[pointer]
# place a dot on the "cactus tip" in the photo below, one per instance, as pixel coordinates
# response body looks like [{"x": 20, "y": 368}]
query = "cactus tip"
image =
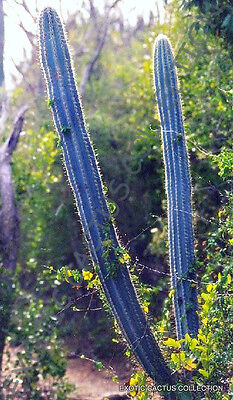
[
  {"x": 160, "y": 37},
  {"x": 47, "y": 10}
]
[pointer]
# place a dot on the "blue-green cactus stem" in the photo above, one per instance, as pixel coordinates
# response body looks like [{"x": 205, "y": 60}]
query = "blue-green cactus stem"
[
  {"x": 85, "y": 179},
  {"x": 178, "y": 187}
]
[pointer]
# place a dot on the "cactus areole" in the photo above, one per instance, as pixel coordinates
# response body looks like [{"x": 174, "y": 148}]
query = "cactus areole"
[
  {"x": 85, "y": 180},
  {"x": 178, "y": 187}
]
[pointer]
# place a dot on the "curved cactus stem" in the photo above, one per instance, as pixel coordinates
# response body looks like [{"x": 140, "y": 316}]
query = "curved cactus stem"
[
  {"x": 84, "y": 176},
  {"x": 178, "y": 187}
]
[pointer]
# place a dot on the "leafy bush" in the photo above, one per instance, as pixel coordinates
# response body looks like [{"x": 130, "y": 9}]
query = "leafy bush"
[{"x": 34, "y": 329}]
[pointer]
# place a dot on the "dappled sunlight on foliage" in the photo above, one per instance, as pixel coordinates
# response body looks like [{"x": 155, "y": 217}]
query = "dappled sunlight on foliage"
[{"x": 55, "y": 296}]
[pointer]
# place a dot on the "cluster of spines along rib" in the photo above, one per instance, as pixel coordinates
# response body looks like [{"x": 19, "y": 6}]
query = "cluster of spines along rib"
[
  {"x": 84, "y": 176},
  {"x": 178, "y": 187}
]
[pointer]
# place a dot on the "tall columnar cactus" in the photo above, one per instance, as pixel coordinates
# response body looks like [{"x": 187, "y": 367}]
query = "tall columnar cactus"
[
  {"x": 84, "y": 176},
  {"x": 178, "y": 186}
]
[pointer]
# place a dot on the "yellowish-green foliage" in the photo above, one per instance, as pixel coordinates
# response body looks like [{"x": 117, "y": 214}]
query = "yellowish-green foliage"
[
  {"x": 121, "y": 114},
  {"x": 207, "y": 356}
]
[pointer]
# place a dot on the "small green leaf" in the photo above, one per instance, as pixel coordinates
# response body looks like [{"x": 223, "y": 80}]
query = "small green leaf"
[
  {"x": 229, "y": 279},
  {"x": 112, "y": 207},
  {"x": 99, "y": 365},
  {"x": 171, "y": 293},
  {"x": 172, "y": 343},
  {"x": 182, "y": 356},
  {"x": 204, "y": 373},
  {"x": 65, "y": 129}
]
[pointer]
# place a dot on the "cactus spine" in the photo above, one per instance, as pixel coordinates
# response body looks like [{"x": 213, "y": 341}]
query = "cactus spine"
[
  {"x": 84, "y": 176},
  {"x": 178, "y": 187}
]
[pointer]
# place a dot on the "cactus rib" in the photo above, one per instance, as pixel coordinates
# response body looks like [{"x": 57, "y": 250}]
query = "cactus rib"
[
  {"x": 86, "y": 183},
  {"x": 178, "y": 188}
]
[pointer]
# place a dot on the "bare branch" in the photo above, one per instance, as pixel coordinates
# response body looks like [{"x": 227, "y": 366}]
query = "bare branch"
[
  {"x": 25, "y": 6},
  {"x": 30, "y": 35},
  {"x": 4, "y": 113},
  {"x": 89, "y": 67},
  {"x": 29, "y": 85},
  {"x": 36, "y": 7},
  {"x": 92, "y": 9},
  {"x": 1, "y": 43},
  {"x": 94, "y": 17},
  {"x": 9, "y": 233},
  {"x": 11, "y": 143},
  {"x": 100, "y": 44},
  {"x": 114, "y": 4},
  {"x": 158, "y": 12},
  {"x": 87, "y": 35}
]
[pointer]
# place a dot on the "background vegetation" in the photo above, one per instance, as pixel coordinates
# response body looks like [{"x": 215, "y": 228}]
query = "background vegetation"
[{"x": 50, "y": 311}]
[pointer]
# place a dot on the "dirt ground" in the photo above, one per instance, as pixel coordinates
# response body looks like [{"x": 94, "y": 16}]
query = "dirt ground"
[{"x": 91, "y": 384}]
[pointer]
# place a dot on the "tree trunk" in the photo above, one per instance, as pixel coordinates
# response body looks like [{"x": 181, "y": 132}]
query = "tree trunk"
[
  {"x": 9, "y": 229},
  {"x": 1, "y": 43},
  {"x": 9, "y": 242},
  {"x": 6, "y": 301},
  {"x": 9, "y": 221}
]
